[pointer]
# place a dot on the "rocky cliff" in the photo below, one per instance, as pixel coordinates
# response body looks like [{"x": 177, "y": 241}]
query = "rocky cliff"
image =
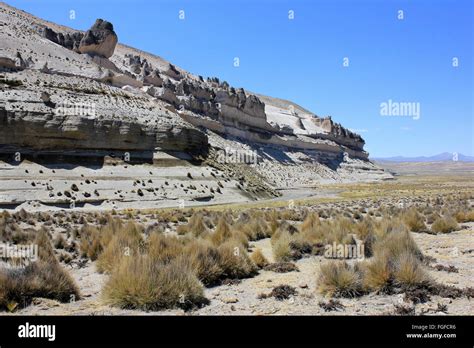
[{"x": 82, "y": 92}]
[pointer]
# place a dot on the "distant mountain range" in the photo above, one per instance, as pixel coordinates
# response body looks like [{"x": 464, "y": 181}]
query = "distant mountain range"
[{"x": 442, "y": 157}]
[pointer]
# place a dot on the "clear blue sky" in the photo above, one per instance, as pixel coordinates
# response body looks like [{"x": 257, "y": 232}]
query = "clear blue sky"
[{"x": 407, "y": 60}]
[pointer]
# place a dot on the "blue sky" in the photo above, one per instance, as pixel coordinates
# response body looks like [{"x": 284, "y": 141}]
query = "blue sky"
[{"x": 301, "y": 59}]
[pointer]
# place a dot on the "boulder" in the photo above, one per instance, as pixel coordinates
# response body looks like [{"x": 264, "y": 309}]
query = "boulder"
[
  {"x": 166, "y": 94},
  {"x": 153, "y": 78},
  {"x": 9, "y": 63},
  {"x": 99, "y": 40},
  {"x": 13, "y": 62},
  {"x": 172, "y": 72}
]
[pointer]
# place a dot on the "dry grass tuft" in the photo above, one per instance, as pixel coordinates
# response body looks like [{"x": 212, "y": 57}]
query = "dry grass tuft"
[
  {"x": 465, "y": 216},
  {"x": 259, "y": 259},
  {"x": 408, "y": 271},
  {"x": 163, "y": 248},
  {"x": 142, "y": 283},
  {"x": 339, "y": 279},
  {"x": 42, "y": 278},
  {"x": 378, "y": 274},
  {"x": 234, "y": 261},
  {"x": 196, "y": 225},
  {"x": 445, "y": 225},
  {"x": 204, "y": 259},
  {"x": 125, "y": 242},
  {"x": 414, "y": 220},
  {"x": 310, "y": 223},
  {"x": 396, "y": 242},
  {"x": 222, "y": 232}
]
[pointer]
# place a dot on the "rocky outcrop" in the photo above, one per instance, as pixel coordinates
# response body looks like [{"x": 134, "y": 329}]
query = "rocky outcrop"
[
  {"x": 338, "y": 133},
  {"x": 93, "y": 118},
  {"x": 152, "y": 78},
  {"x": 68, "y": 40},
  {"x": 10, "y": 63},
  {"x": 172, "y": 72},
  {"x": 142, "y": 102},
  {"x": 99, "y": 40}
]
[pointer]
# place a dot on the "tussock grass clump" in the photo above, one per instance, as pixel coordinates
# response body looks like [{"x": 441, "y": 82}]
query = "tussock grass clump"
[
  {"x": 310, "y": 223},
  {"x": 42, "y": 278},
  {"x": 289, "y": 243},
  {"x": 274, "y": 223},
  {"x": 396, "y": 242},
  {"x": 378, "y": 274},
  {"x": 11, "y": 232},
  {"x": 364, "y": 228},
  {"x": 214, "y": 264},
  {"x": 445, "y": 225},
  {"x": 408, "y": 271},
  {"x": 255, "y": 229},
  {"x": 465, "y": 216},
  {"x": 163, "y": 248},
  {"x": 60, "y": 242},
  {"x": 339, "y": 279},
  {"x": 204, "y": 259},
  {"x": 259, "y": 259},
  {"x": 235, "y": 262},
  {"x": 94, "y": 239},
  {"x": 396, "y": 263},
  {"x": 91, "y": 245},
  {"x": 290, "y": 214},
  {"x": 195, "y": 226},
  {"x": 38, "y": 279},
  {"x": 222, "y": 232},
  {"x": 414, "y": 220},
  {"x": 125, "y": 242},
  {"x": 281, "y": 247},
  {"x": 142, "y": 283},
  {"x": 430, "y": 218}
]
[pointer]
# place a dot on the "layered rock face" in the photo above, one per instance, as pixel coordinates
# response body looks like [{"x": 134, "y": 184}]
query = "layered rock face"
[
  {"x": 63, "y": 89},
  {"x": 48, "y": 118},
  {"x": 49, "y": 107}
]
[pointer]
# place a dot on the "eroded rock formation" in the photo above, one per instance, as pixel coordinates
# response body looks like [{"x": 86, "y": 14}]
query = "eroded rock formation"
[
  {"x": 140, "y": 102},
  {"x": 99, "y": 40}
]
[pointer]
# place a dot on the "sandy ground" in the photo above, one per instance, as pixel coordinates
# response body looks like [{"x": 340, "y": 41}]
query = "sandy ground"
[{"x": 38, "y": 187}]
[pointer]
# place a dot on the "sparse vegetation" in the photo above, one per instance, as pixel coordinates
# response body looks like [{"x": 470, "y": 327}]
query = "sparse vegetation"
[
  {"x": 141, "y": 253},
  {"x": 42, "y": 278}
]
